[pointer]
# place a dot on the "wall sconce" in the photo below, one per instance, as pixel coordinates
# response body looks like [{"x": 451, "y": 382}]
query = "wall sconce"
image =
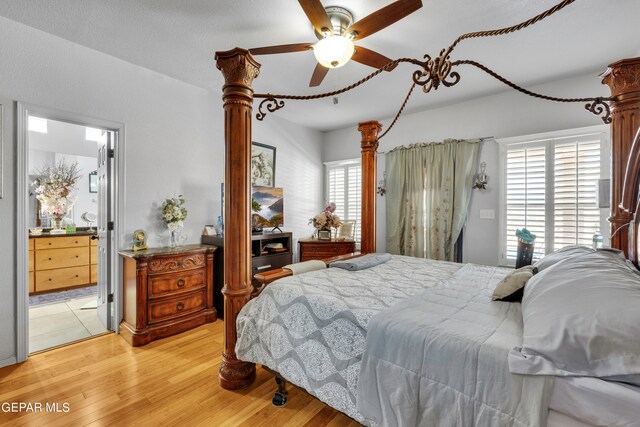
[
  {"x": 382, "y": 185},
  {"x": 481, "y": 178}
]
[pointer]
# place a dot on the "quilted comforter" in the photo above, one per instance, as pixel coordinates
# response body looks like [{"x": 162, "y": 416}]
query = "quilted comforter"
[{"x": 311, "y": 328}]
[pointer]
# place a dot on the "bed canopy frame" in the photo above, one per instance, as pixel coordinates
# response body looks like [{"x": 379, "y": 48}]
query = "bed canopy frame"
[{"x": 239, "y": 68}]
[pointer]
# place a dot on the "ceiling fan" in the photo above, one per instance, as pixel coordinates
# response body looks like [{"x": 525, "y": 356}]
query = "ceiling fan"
[{"x": 336, "y": 32}]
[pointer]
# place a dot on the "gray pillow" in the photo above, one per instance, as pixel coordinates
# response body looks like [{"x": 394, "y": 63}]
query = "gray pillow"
[
  {"x": 581, "y": 317},
  {"x": 511, "y": 288},
  {"x": 560, "y": 255}
]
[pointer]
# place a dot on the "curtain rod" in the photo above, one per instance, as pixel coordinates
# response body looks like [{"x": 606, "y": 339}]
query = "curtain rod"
[{"x": 484, "y": 138}]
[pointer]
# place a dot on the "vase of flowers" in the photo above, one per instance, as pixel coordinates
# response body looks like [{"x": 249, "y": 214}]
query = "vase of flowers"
[
  {"x": 173, "y": 214},
  {"x": 54, "y": 189},
  {"x": 325, "y": 221}
]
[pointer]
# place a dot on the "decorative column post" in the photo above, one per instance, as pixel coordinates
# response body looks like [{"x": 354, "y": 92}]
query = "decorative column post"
[
  {"x": 369, "y": 147},
  {"x": 239, "y": 69},
  {"x": 623, "y": 77}
]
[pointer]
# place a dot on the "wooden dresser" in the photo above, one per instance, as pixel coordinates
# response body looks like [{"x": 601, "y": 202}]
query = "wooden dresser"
[
  {"x": 166, "y": 291},
  {"x": 322, "y": 249},
  {"x": 59, "y": 262}
]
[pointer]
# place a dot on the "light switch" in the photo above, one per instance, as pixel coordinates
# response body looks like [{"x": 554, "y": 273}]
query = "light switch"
[{"x": 487, "y": 214}]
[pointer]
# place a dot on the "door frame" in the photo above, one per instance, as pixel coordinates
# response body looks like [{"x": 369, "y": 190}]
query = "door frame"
[{"x": 22, "y": 199}]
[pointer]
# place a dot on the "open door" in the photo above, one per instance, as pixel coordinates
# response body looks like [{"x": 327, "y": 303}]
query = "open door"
[{"x": 105, "y": 227}]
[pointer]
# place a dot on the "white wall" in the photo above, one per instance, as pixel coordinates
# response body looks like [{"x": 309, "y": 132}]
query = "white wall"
[
  {"x": 174, "y": 142},
  {"x": 503, "y": 115}
]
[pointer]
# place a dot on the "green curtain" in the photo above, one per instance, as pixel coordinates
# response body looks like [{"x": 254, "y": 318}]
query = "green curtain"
[{"x": 428, "y": 192}]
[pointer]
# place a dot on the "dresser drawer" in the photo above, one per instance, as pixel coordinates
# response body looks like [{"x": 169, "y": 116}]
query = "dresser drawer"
[
  {"x": 31, "y": 260},
  {"x": 61, "y": 258},
  {"x": 61, "y": 242},
  {"x": 176, "y": 263},
  {"x": 94, "y": 273},
  {"x": 61, "y": 278},
  {"x": 160, "y": 311},
  {"x": 168, "y": 284},
  {"x": 32, "y": 282}
]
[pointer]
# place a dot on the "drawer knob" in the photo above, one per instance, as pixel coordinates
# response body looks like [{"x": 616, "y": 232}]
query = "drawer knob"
[
  {"x": 49, "y": 259},
  {"x": 77, "y": 256},
  {"x": 181, "y": 282},
  {"x": 180, "y": 306},
  {"x": 77, "y": 275},
  {"x": 49, "y": 279}
]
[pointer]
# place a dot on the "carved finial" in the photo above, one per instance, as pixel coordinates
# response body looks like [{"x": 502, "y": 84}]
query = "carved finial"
[
  {"x": 237, "y": 66},
  {"x": 369, "y": 131},
  {"x": 623, "y": 76}
]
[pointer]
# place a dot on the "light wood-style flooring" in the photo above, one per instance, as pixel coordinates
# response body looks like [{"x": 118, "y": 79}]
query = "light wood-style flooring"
[{"x": 171, "y": 382}]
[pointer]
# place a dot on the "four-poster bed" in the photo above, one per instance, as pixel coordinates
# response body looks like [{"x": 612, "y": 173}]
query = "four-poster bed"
[{"x": 239, "y": 68}]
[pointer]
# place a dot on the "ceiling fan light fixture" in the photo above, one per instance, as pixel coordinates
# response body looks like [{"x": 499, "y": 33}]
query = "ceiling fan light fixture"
[{"x": 334, "y": 51}]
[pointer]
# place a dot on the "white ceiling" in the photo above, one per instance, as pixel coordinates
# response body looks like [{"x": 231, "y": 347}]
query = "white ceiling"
[{"x": 179, "y": 38}]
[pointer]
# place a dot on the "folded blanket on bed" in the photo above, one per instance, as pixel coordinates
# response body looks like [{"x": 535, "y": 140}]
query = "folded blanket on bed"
[
  {"x": 306, "y": 266},
  {"x": 440, "y": 358},
  {"x": 362, "y": 263}
]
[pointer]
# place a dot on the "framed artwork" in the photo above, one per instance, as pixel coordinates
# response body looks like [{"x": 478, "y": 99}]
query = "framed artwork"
[
  {"x": 263, "y": 165},
  {"x": 1, "y": 162},
  {"x": 93, "y": 182}
]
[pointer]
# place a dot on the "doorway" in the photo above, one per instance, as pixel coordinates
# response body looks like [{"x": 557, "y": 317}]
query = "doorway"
[{"x": 68, "y": 293}]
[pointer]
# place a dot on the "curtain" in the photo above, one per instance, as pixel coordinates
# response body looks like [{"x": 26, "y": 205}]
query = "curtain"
[{"x": 429, "y": 187}]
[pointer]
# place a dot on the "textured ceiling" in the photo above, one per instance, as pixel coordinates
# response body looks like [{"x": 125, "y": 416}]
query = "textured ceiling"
[{"x": 179, "y": 38}]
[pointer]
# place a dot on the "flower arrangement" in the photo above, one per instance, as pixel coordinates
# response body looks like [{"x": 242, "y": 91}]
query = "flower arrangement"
[
  {"x": 326, "y": 219},
  {"x": 174, "y": 213},
  {"x": 54, "y": 188}
]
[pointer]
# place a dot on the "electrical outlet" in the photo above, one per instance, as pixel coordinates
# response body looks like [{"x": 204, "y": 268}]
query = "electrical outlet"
[{"x": 487, "y": 214}]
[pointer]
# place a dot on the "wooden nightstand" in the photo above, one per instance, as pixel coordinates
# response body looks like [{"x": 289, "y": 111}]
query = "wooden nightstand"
[{"x": 323, "y": 249}]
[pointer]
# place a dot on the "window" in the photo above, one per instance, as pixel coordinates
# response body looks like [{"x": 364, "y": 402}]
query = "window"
[
  {"x": 549, "y": 187},
  {"x": 344, "y": 187}
]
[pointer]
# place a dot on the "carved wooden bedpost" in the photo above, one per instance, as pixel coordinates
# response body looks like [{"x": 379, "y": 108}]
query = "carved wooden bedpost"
[
  {"x": 623, "y": 77},
  {"x": 369, "y": 146},
  {"x": 239, "y": 69}
]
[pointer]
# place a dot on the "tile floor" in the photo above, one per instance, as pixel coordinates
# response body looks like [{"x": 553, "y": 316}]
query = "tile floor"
[{"x": 63, "y": 322}]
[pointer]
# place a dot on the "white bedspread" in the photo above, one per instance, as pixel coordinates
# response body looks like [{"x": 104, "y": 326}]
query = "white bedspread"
[
  {"x": 440, "y": 359},
  {"x": 311, "y": 327}
]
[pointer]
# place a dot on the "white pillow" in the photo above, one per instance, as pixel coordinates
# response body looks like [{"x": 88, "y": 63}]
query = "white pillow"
[
  {"x": 560, "y": 255},
  {"x": 581, "y": 317}
]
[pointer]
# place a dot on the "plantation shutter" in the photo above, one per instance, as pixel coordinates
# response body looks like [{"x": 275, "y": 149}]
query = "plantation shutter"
[
  {"x": 576, "y": 172},
  {"x": 525, "y": 196},
  {"x": 344, "y": 188}
]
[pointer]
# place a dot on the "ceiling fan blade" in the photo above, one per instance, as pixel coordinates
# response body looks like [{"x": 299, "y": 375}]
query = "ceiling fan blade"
[
  {"x": 318, "y": 75},
  {"x": 316, "y": 14},
  {"x": 372, "y": 59},
  {"x": 283, "y": 48},
  {"x": 384, "y": 17}
]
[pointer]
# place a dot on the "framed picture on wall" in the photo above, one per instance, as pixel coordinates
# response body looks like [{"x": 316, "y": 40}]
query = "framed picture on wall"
[
  {"x": 1, "y": 170},
  {"x": 93, "y": 182},
  {"x": 263, "y": 165}
]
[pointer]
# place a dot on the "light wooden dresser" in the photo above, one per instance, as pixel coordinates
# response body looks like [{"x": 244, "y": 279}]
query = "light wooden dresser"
[
  {"x": 323, "y": 249},
  {"x": 166, "y": 291},
  {"x": 58, "y": 262}
]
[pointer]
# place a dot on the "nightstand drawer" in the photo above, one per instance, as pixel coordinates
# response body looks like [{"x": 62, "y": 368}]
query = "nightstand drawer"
[
  {"x": 160, "y": 311},
  {"x": 61, "y": 258},
  {"x": 176, "y": 263},
  {"x": 174, "y": 283}
]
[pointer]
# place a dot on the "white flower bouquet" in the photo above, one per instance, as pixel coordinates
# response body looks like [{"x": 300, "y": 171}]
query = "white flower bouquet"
[
  {"x": 174, "y": 213},
  {"x": 54, "y": 187}
]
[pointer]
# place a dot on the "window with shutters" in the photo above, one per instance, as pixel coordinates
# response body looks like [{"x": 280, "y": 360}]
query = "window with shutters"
[
  {"x": 343, "y": 187},
  {"x": 550, "y": 187}
]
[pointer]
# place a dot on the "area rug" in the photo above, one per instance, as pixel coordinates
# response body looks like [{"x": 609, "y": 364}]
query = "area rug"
[{"x": 63, "y": 295}]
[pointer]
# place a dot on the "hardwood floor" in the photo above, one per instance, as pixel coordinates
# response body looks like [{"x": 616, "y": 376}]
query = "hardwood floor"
[{"x": 173, "y": 381}]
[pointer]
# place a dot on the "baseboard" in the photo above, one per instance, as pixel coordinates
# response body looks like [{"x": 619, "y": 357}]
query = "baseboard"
[{"x": 8, "y": 361}]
